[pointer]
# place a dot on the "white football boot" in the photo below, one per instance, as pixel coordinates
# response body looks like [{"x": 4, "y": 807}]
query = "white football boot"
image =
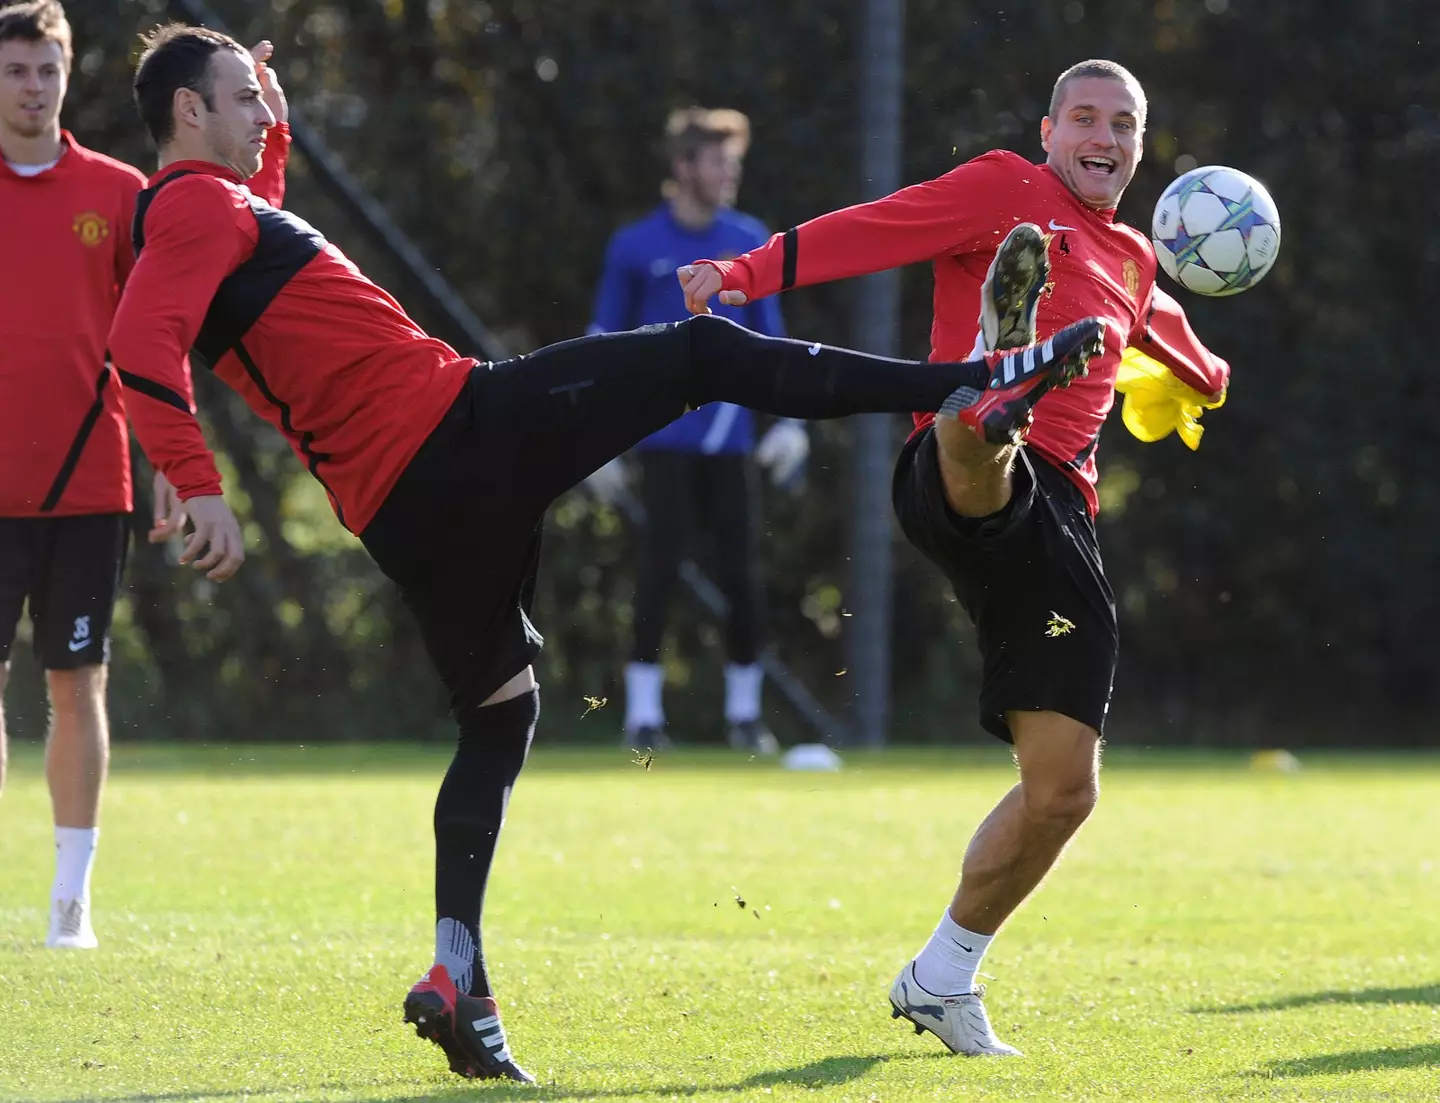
[
  {"x": 70, "y": 927},
  {"x": 958, "y": 1021}
]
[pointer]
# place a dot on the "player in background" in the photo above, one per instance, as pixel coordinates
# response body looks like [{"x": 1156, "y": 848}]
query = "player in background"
[
  {"x": 65, "y": 491},
  {"x": 696, "y": 472},
  {"x": 443, "y": 466},
  {"x": 1012, "y": 528}
]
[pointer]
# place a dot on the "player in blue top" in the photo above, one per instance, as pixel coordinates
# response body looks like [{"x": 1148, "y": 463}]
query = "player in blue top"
[{"x": 696, "y": 471}]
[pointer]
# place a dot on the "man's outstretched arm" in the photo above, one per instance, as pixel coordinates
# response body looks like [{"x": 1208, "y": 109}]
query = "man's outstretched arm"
[{"x": 949, "y": 214}]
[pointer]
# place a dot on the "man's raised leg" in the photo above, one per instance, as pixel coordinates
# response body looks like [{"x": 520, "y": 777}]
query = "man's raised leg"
[{"x": 602, "y": 394}]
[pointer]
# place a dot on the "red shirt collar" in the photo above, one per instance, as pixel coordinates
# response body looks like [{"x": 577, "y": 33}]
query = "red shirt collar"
[
  {"x": 68, "y": 145},
  {"x": 207, "y": 168}
]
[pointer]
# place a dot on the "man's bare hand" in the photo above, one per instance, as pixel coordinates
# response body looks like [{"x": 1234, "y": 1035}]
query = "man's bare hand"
[
  {"x": 217, "y": 534},
  {"x": 699, "y": 282},
  {"x": 169, "y": 511},
  {"x": 273, "y": 94}
]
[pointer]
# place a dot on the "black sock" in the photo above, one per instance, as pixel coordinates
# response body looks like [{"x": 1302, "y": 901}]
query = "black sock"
[
  {"x": 494, "y": 741},
  {"x": 729, "y": 363}
]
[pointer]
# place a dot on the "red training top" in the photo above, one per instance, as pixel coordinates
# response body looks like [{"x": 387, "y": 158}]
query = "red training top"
[
  {"x": 64, "y": 255},
  {"x": 1098, "y": 266},
  {"x": 284, "y": 318}
]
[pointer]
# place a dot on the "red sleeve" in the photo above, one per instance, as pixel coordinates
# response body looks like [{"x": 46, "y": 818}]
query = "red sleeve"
[
  {"x": 197, "y": 231},
  {"x": 950, "y": 214},
  {"x": 1166, "y": 335},
  {"x": 269, "y": 182}
]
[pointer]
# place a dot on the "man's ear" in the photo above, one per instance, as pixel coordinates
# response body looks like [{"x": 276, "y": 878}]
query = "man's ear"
[
  {"x": 186, "y": 105},
  {"x": 1046, "y": 127}
]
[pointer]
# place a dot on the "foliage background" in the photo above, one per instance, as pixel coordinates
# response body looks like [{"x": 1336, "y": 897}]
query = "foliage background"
[{"x": 1276, "y": 586}]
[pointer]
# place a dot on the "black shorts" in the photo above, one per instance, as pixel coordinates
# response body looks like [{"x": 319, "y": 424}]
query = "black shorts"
[
  {"x": 1032, "y": 581},
  {"x": 69, "y": 568},
  {"x": 459, "y": 533}
]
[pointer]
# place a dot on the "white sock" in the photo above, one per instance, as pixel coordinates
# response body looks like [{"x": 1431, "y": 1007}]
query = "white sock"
[
  {"x": 948, "y": 963},
  {"x": 455, "y": 949},
  {"x": 643, "y": 685},
  {"x": 74, "y": 859},
  {"x": 742, "y": 692}
]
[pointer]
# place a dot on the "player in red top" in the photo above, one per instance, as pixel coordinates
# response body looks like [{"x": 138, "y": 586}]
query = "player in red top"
[
  {"x": 444, "y": 467},
  {"x": 1012, "y": 528},
  {"x": 65, "y": 252}
]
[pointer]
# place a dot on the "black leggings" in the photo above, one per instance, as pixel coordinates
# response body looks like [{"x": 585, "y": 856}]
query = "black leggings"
[
  {"x": 458, "y": 532},
  {"x": 573, "y": 406},
  {"x": 687, "y": 494}
]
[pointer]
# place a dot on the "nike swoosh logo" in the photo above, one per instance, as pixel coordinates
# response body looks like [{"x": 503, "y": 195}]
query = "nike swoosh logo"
[
  {"x": 814, "y": 349},
  {"x": 1056, "y": 226},
  {"x": 967, "y": 949},
  {"x": 80, "y": 645}
]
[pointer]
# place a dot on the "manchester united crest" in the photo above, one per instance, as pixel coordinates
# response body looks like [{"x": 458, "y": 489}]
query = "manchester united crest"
[
  {"x": 1132, "y": 277},
  {"x": 90, "y": 228}
]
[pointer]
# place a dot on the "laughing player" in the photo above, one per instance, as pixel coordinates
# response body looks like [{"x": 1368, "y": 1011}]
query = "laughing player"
[{"x": 1012, "y": 528}]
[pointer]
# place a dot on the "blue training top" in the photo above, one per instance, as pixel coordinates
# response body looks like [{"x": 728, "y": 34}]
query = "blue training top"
[{"x": 639, "y": 288}]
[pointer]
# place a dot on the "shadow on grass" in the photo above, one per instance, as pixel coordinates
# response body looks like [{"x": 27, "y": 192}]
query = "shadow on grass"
[
  {"x": 1423, "y": 994},
  {"x": 829, "y": 1072},
  {"x": 818, "y": 1074},
  {"x": 1356, "y": 1060}
]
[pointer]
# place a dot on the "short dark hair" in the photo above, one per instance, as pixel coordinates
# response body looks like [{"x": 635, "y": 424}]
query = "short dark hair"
[
  {"x": 1097, "y": 67},
  {"x": 691, "y": 129},
  {"x": 37, "y": 21},
  {"x": 176, "y": 56}
]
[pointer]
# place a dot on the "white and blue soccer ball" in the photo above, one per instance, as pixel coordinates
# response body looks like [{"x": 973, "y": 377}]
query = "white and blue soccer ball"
[{"x": 1216, "y": 231}]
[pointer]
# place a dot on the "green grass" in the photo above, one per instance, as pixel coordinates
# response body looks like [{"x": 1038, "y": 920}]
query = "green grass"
[{"x": 1214, "y": 933}]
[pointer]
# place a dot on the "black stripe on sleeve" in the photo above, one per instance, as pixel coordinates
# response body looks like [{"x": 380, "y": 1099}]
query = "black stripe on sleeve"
[
  {"x": 792, "y": 259},
  {"x": 158, "y": 391}
]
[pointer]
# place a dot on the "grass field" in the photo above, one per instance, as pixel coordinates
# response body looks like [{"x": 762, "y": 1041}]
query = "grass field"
[{"x": 1214, "y": 933}]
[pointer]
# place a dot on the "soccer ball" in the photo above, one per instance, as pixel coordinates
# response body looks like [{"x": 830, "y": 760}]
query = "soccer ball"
[{"x": 1216, "y": 231}]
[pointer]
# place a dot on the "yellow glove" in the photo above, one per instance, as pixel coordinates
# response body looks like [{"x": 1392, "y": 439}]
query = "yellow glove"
[{"x": 1157, "y": 404}]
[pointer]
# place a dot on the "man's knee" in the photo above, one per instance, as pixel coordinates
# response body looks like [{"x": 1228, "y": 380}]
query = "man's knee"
[
  {"x": 709, "y": 325},
  {"x": 1064, "y": 803},
  {"x": 78, "y": 691},
  {"x": 494, "y": 742},
  {"x": 1059, "y": 761},
  {"x": 713, "y": 339}
]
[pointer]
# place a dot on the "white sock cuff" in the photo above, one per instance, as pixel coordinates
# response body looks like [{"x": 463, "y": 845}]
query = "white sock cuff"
[
  {"x": 77, "y": 836},
  {"x": 74, "y": 862},
  {"x": 963, "y": 936}
]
